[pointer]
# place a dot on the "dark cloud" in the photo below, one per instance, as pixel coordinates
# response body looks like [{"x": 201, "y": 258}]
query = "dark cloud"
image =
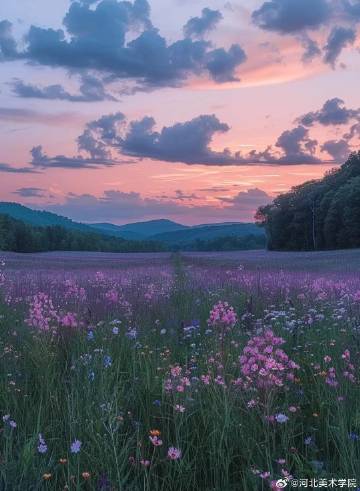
[
  {"x": 297, "y": 145},
  {"x": 352, "y": 8},
  {"x": 117, "y": 38},
  {"x": 291, "y": 16},
  {"x": 339, "y": 150},
  {"x": 333, "y": 112},
  {"x": 222, "y": 64},
  {"x": 353, "y": 131},
  {"x": 8, "y": 49},
  {"x": 252, "y": 198},
  {"x": 42, "y": 161},
  {"x": 100, "y": 135},
  {"x": 338, "y": 39},
  {"x": 16, "y": 170},
  {"x": 30, "y": 192},
  {"x": 197, "y": 27},
  {"x": 311, "y": 47},
  {"x": 296, "y": 148},
  {"x": 187, "y": 142},
  {"x": 91, "y": 90}
]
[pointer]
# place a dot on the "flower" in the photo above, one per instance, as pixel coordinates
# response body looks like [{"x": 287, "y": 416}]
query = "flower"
[
  {"x": 107, "y": 361},
  {"x": 281, "y": 418},
  {"x": 264, "y": 365},
  {"x": 75, "y": 446},
  {"x": 222, "y": 315},
  {"x": 174, "y": 453},
  {"x": 155, "y": 432},
  {"x": 179, "y": 408},
  {"x": 90, "y": 335},
  {"x": 115, "y": 330},
  {"x": 42, "y": 447},
  {"x": 86, "y": 475},
  {"x": 46, "y": 477},
  {"x": 62, "y": 461},
  {"x": 156, "y": 441}
]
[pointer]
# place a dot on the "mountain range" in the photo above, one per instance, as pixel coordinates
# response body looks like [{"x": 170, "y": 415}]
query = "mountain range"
[{"x": 163, "y": 230}]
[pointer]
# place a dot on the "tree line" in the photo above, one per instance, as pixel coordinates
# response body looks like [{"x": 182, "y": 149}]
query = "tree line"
[
  {"x": 18, "y": 236},
  {"x": 317, "y": 215}
]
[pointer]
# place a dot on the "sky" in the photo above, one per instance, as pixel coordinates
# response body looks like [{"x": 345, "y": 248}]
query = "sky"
[{"x": 199, "y": 111}]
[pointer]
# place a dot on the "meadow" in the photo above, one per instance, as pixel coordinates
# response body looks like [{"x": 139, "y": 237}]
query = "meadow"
[{"x": 204, "y": 371}]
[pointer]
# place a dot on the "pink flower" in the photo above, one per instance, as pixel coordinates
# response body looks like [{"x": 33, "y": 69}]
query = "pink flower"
[
  {"x": 222, "y": 315},
  {"x": 174, "y": 453},
  {"x": 156, "y": 441}
]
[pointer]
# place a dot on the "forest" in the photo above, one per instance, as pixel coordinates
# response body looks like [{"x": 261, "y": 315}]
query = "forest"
[
  {"x": 317, "y": 215},
  {"x": 18, "y": 236}
]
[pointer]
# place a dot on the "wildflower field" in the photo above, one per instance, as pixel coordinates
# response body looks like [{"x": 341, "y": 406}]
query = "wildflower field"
[{"x": 216, "y": 372}]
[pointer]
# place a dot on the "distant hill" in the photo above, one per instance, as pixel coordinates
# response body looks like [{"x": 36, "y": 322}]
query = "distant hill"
[
  {"x": 116, "y": 231},
  {"x": 39, "y": 218},
  {"x": 208, "y": 232},
  {"x": 140, "y": 230},
  {"x": 173, "y": 235}
]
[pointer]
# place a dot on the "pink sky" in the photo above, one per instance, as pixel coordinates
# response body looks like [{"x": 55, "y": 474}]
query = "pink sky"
[{"x": 275, "y": 87}]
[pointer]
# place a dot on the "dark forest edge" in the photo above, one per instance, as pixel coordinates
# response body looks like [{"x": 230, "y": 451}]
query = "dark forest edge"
[
  {"x": 17, "y": 236},
  {"x": 317, "y": 215}
]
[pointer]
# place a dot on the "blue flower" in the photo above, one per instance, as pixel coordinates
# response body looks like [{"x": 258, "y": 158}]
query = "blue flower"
[
  {"x": 90, "y": 335},
  {"x": 107, "y": 361},
  {"x": 354, "y": 437},
  {"x": 75, "y": 446}
]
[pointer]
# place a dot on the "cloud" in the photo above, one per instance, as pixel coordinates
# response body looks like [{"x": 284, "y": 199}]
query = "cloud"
[
  {"x": 187, "y": 142},
  {"x": 112, "y": 140},
  {"x": 42, "y": 161},
  {"x": 118, "y": 39},
  {"x": 190, "y": 143},
  {"x": 333, "y": 112},
  {"x": 311, "y": 47},
  {"x": 291, "y": 16},
  {"x": 101, "y": 134},
  {"x": 8, "y": 50},
  {"x": 22, "y": 115},
  {"x": 16, "y": 170},
  {"x": 339, "y": 150},
  {"x": 118, "y": 206},
  {"x": 197, "y": 27},
  {"x": 251, "y": 198},
  {"x": 352, "y": 8},
  {"x": 30, "y": 192},
  {"x": 222, "y": 64},
  {"x": 91, "y": 90},
  {"x": 338, "y": 39}
]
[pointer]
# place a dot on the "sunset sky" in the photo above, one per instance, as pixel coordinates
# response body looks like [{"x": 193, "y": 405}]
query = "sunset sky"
[{"x": 193, "y": 110}]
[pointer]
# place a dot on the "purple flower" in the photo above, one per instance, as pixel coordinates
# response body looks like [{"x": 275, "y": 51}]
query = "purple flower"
[
  {"x": 75, "y": 446},
  {"x": 42, "y": 447},
  {"x": 174, "y": 453},
  {"x": 281, "y": 418}
]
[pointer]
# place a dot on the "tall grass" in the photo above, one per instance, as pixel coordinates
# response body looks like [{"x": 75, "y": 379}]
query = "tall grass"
[{"x": 106, "y": 388}]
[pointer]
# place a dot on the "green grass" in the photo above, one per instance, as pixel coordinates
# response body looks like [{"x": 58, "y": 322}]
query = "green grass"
[{"x": 46, "y": 389}]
